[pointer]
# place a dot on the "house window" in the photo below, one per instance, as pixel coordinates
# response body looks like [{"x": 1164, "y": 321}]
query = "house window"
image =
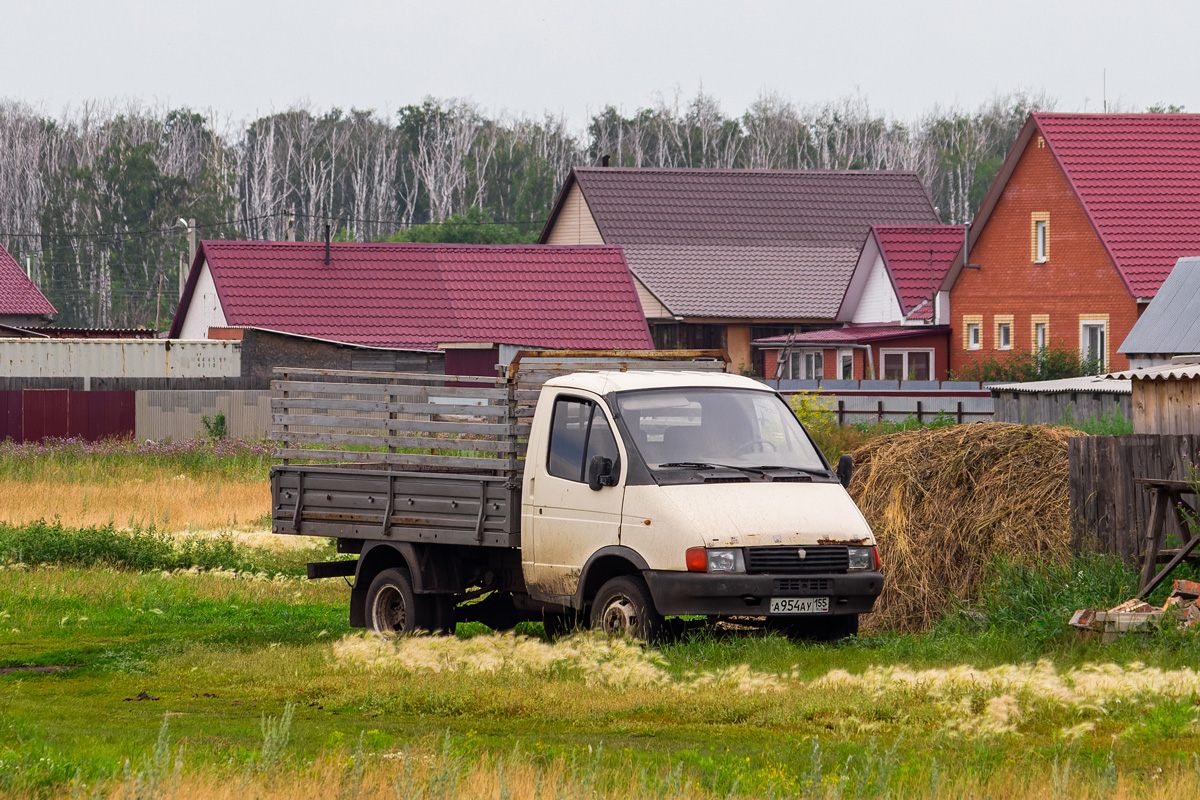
[
  {"x": 973, "y": 336},
  {"x": 907, "y": 365},
  {"x": 846, "y": 365},
  {"x": 1093, "y": 336},
  {"x": 807, "y": 365},
  {"x": 1040, "y": 237},
  {"x": 1039, "y": 335},
  {"x": 1004, "y": 336}
]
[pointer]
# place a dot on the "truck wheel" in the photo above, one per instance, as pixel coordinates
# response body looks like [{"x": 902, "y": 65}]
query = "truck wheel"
[
  {"x": 623, "y": 607},
  {"x": 391, "y": 605}
]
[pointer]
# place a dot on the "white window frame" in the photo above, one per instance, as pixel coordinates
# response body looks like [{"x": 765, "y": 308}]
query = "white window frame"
[
  {"x": 1040, "y": 335},
  {"x": 974, "y": 335},
  {"x": 1004, "y": 336},
  {"x": 1084, "y": 351},
  {"x": 842, "y": 355},
  {"x": 904, "y": 352},
  {"x": 806, "y": 359},
  {"x": 1041, "y": 232}
]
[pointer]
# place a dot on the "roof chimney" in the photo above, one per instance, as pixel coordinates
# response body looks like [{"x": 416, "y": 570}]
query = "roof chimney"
[
  {"x": 327, "y": 244},
  {"x": 604, "y": 160}
]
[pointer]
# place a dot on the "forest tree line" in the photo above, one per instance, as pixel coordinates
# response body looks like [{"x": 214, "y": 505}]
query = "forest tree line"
[{"x": 96, "y": 201}]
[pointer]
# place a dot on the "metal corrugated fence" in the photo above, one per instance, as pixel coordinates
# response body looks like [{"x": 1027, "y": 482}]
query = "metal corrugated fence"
[{"x": 179, "y": 415}]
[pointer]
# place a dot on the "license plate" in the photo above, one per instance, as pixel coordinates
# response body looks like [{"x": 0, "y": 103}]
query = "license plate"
[{"x": 799, "y": 605}]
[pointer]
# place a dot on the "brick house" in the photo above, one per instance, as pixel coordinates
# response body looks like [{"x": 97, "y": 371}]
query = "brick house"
[
  {"x": 721, "y": 257},
  {"x": 22, "y": 305},
  {"x": 392, "y": 303},
  {"x": 892, "y": 314},
  {"x": 1084, "y": 221}
]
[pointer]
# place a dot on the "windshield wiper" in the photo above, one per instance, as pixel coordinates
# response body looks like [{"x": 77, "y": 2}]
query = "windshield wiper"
[{"x": 691, "y": 464}]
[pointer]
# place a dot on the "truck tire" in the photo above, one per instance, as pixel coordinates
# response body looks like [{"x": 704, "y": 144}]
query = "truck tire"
[
  {"x": 624, "y": 607},
  {"x": 392, "y": 608}
]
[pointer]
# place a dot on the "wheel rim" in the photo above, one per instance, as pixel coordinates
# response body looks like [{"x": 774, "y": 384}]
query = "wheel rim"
[
  {"x": 620, "y": 617},
  {"x": 390, "y": 611}
]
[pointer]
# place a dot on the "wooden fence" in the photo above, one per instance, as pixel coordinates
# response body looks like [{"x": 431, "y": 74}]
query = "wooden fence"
[{"x": 1108, "y": 510}]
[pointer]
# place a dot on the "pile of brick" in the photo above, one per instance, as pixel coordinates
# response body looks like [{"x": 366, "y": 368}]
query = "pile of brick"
[{"x": 1182, "y": 608}]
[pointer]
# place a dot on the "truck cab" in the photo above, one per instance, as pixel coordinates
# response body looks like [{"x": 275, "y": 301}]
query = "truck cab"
[{"x": 651, "y": 493}]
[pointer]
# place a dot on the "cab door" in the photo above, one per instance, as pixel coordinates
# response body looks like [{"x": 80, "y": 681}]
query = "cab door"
[{"x": 569, "y": 520}]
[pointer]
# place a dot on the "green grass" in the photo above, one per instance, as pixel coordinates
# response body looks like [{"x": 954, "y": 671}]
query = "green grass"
[
  {"x": 114, "y": 460},
  {"x": 225, "y": 652}
]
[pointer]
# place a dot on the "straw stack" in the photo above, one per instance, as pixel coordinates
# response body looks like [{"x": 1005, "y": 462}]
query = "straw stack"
[{"x": 944, "y": 502}]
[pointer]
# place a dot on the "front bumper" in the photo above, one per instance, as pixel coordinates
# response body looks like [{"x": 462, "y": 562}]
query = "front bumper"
[{"x": 677, "y": 593}]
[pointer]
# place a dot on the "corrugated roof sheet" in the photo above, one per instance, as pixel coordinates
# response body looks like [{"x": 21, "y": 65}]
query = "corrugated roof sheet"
[
  {"x": 1138, "y": 178},
  {"x": 1087, "y": 383},
  {"x": 18, "y": 295},
  {"x": 855, "y": 334},
  {"x": 1171, "y": 323},
  {"x": 1163, "y": 372},
  {"x": 413, "y": 296},
  {"x": 745, "y": 282},
  {"x": 918, "y": 259}
]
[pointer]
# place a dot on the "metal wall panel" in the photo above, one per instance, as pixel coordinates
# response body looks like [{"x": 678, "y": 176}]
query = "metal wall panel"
[
  {"x": 177, "y": 415},
  {"x": 120, "y": 358}
]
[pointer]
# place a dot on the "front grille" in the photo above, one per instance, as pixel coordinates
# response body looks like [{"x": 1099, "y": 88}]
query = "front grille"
[
  {"x": 818, "y": 558},
  {"x": 803, "y": 585}
]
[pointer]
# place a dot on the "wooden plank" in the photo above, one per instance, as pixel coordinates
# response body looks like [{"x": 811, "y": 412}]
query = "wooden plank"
[
  {"x": 383, "y": 423},
  {"x": 389, "y": 389},
  {"x": 360, "y": 457},
  {"x": 445, "y": 409},
  {"x": 391, "y": 376},
  {"x": 373, "y": 440}
]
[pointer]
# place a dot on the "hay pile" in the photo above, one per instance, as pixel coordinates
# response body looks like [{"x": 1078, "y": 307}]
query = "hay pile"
[{"x": 943, "y": 502}]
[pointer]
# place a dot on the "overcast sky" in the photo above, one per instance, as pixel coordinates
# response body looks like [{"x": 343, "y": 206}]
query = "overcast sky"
[{"x": 245, "y": 58}]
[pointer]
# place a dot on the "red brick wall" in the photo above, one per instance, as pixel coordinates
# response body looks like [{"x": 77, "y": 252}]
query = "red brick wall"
[{"x": 1078, "y": 277}]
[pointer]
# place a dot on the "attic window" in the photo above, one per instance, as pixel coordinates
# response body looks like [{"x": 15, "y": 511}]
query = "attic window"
[{"x": 1041, "y": 142}]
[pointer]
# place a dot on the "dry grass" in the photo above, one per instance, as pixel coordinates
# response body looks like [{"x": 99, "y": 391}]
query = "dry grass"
[
  {"x": 170, "y": 503},
  {"x": 945, "y": 502},
  {"x": 426, "y": 772}
]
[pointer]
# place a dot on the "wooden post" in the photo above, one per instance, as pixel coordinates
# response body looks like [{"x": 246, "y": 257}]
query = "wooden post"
[
  {"x": 1154, "y": 528},
  {"x": 841, "y": 413},
  {"x": 959, "y": 414},
  {"x": 920, "y": 412},
  {"x": 880, "y": 412}
]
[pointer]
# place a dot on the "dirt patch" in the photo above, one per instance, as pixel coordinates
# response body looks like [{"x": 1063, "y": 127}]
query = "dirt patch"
[{"x": 39, "y": 669}]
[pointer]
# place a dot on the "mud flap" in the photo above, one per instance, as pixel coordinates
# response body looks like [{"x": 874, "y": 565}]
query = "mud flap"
[{"x": 358, "y": 608}]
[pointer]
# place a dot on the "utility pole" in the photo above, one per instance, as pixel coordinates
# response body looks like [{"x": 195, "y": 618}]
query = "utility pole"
[
  {"x": 191, "y": 242},
  {"x": 291, "y": 228},
  {"x": 182, "y": 275},
  {"x": 158, "y": 303}
]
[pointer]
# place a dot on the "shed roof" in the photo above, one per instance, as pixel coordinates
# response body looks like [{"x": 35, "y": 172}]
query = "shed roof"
[
  {"x": 745, "y": 244},
  {"x": 18, "y": 295},
  {"x": 1162, "y": 372},
  {"x": 1171, "y": 323},
  {"x": 413, "y": 296},
  {"x": 1137, "y": 178},
  {"x": 1086, "y": 383},
  {"x": 855, "y": 334}
]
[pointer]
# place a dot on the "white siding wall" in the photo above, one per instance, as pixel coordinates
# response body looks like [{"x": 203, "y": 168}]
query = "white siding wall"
[
  {"x": 575, "y": 224},
  {"x": 878, "y": 302},
  {"x": 205, "y": 310}
]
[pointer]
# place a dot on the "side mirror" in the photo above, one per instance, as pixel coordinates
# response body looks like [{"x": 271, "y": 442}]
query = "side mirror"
[
  {"x": 599, "y": 473},
  {"x": 845, "y": 469}
]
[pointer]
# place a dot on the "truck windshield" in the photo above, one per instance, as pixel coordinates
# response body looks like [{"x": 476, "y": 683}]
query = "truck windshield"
[{"x": 740, "y": 428}]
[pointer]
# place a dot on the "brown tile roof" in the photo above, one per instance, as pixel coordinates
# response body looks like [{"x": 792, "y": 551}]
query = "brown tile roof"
[
  {"x": 746, "y": 244},
  {"x": 749, "y": 207},
  {"x": 745, "y": 282}
]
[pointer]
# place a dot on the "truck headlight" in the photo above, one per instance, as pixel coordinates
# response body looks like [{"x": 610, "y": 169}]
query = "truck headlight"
[
  {"x": 726, "y": 560},
  {"x": 861, "y": 557},
  {"x": 702, "y": 559}
]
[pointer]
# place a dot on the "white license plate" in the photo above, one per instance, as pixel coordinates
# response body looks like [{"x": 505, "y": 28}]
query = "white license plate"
[{"x": 799, "y": 605}]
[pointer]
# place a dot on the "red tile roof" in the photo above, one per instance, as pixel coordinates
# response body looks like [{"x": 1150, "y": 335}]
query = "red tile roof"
[
  {"x": 413, "y": 296},
  {"x": 18, "y": 295},
  {"x": 1137, "y": 177},
  {"x": 917, "y": 259},
  {"x": 744, "y": 244},
  {"x": 854, "y": 334}
]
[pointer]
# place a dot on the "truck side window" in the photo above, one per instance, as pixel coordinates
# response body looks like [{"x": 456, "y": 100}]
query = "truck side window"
[{"x": 578, "y": 431}]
